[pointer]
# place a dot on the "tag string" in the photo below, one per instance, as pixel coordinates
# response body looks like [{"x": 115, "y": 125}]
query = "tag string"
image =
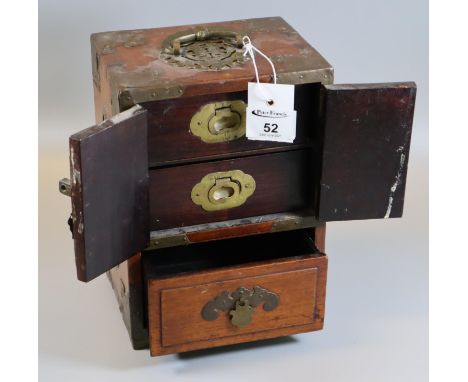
[{"x": 250, "y": 50}]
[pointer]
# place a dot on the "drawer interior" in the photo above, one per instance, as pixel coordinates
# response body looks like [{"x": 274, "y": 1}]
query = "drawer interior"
[{"x": 167, "y": 262}]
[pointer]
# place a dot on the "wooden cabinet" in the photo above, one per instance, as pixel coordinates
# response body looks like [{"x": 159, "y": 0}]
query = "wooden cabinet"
[{"x": 173, "y": 201}]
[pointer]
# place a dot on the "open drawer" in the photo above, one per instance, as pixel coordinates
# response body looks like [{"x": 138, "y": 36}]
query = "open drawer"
[{"x": 233, "y": 291}]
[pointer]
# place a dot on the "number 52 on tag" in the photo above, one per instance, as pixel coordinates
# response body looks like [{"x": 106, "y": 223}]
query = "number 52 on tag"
[
  {"x": 275, "y": 122},
  {"x": 270, "y": 125}
]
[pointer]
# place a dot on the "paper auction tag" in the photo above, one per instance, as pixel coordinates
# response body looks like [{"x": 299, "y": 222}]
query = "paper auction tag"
[{"x": 270, "y": 112}]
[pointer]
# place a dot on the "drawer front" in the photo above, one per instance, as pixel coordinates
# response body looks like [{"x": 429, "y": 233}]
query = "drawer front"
[
  {"x": 280, "y": 182},
  {"x": 244, "y": 303},
  {"x": 172, "y": 139}
]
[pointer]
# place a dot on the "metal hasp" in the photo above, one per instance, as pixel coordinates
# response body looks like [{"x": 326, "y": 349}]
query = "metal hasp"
[
  {"x": 241, "y": 315},
  {"x": 204, "y": 49},
  {"x": 240, "y": 304},
  {"x": 65, "y": 186},
  {"x": 223, "y": 190},
  {"x": 219, "y": 121}
]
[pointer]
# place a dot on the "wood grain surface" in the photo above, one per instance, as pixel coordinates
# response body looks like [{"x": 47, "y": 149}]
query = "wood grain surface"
[
  {"x": 109, "y": 194},
  {"x": 181, "y": 307},
  {"x": 126, "y": 280}
]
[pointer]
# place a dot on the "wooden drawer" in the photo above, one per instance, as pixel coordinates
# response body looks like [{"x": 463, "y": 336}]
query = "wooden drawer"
[
  {"x": 171, "y": 141},
  {"x": 234, "y": 291},
  {"x": 282, "y": 184}
]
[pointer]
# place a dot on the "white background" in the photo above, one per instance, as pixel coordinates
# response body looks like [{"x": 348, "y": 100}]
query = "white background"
[{"x": 377, "y": 299}]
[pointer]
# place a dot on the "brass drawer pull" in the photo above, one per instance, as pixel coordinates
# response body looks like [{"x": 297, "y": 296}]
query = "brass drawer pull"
[
  {"x": 240, "y": 304},
  {"x": 223, "y": 190},
  {"x": 219, "y": 121}
]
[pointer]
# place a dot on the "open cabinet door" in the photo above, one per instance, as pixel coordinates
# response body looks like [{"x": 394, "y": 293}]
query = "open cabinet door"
[
  {"x": 109, "y": 192},
  {"x": 366, "y": 141}
]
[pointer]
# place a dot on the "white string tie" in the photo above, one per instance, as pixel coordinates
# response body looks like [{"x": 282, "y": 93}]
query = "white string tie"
[{"x": 250, "y": 49}]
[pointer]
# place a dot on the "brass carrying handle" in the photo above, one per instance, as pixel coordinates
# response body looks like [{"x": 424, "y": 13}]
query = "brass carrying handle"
[
  {"x": 240, "y": 304},
  {"x": 204, "y": 35}
]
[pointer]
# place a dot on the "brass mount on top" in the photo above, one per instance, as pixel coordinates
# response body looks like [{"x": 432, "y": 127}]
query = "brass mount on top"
[{"x": 204, "y": 49}]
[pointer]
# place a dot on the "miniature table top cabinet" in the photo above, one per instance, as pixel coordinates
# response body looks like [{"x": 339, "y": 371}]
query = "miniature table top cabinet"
[{"x": 210, "y": 238}]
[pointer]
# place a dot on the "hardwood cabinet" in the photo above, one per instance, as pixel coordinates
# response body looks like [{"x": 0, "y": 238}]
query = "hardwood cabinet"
[{"x": 183, "y": 211}]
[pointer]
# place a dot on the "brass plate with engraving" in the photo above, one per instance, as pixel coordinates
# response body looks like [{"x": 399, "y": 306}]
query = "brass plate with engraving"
[
  {"x": 219, "y": 121},
  {"x": 223, "y": 190}
]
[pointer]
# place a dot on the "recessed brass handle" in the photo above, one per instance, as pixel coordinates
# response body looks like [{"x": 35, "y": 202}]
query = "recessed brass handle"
[
  {"x": 225, "y": 118},
  {"x": 240, "y": 304},
  {"x": 204, "y": 48},
  {"x": 223, "y": 190},
  {"x": 203, "y": 35},
  {"x": 219, "y": 121}
]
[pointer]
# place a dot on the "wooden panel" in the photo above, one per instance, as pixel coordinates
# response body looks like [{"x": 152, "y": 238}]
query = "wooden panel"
[
  {"x": 175, "y": 304},
  {"x": 229, "y": 232},
  {"x": 367, "y": 133},
  {"x": 126, "y": 280},
  {"x": 282, "y": 185},
  {"x": 170, "y": 139},
  {"x": 109, "y": 174},
  {"x": 319, "y": 237}
]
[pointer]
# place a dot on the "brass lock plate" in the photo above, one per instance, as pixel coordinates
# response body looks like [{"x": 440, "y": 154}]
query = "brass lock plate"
[
  {"x": 204, "y": 49},
  {"x": 240, "y": 304},
  {"x": 223, "y": 190},
  {"x": 241, "y": 315},
  {"x": 219, "y": 121}
]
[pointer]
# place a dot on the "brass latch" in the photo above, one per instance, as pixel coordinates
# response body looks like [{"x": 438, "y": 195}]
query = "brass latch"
[
  {"x": 220, "y": 121},
  {"x": 65, "y": 186},
  {"x": 223, "y": 190}
]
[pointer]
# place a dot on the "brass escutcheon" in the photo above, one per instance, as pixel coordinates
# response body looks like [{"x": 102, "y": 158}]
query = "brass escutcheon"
[
  {"x": 223, "y": 190},
  {"x": 219, "y": 121},
  {"x": 240, "y": 304}
]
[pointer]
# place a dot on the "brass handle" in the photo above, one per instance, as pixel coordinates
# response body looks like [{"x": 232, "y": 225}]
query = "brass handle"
[
  {"x": 203, "y": 35},
  {"x": 219, "y": 121},
  {"x": 240, "y": 304},
  {"x": 223, "y": 190},
  {"x": 224, "y": 118},
  {"x": 203, "y": 48}
]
